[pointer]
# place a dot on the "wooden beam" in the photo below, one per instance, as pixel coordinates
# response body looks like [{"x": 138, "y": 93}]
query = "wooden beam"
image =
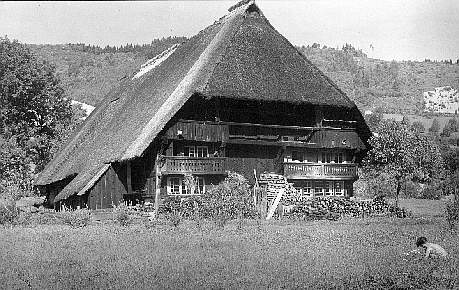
[
  {"x": 128, "y": 177},
  {"x": 157, "y": 184},
  {"x": 314, "y": 128},
  {"x": 319, "y": 116},
  {"x": 273, "y": 207}
]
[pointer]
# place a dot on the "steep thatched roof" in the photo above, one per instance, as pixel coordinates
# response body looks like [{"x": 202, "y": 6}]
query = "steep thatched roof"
[{"x": 239, "y": 56}]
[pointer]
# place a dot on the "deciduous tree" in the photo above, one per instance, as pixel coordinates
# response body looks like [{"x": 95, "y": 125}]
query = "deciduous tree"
[
  {"x": 33, "y": 112},
  {"x": 403, "y": 154}
]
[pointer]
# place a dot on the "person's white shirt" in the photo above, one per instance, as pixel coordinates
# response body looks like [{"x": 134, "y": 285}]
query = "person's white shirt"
[{"x": 434, "y": 250}]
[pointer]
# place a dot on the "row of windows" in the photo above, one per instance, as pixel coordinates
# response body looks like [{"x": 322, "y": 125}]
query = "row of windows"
[
  {"x": 324, "y": 157},
  {"x": 323, "y": 188},
  {"x": 177, "y": 186},
  {"x": 196, "y": 151}
]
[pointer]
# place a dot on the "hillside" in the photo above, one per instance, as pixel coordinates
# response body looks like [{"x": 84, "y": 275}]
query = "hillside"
[
  {"x": 395, "y": 87},
  {"x": 88, "y": 72}
]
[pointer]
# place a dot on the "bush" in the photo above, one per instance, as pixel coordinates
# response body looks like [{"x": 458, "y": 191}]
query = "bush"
[
  {"x": 452, "y": 212},
  {"x": 122, "y": 216},
  {"x": 411, "y": 189},
  {"x": 333, "y": 208},
  {"x": 8, "y": 211},
  {"x": 76, "y": 218},
  {"x": 229, "y": 200},
  {"x": 434, "y": 190},
  {"x": 188, "y": 207}
]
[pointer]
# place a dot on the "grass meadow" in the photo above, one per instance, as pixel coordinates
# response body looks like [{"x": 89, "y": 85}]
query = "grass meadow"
[{"x": 369, "y": 253}]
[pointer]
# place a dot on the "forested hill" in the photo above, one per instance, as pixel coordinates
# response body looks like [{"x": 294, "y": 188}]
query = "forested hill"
[
  {"x": 396, "y": 87},
  {"x": 88, "y": 72}
]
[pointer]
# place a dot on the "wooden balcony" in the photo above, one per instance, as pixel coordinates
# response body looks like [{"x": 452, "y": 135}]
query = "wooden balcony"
[
  {"x": 341, "y": 171},
  {"x": 193, "y": 165}
]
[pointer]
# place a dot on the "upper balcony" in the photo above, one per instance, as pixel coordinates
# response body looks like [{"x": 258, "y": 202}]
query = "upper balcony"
[
  {"x": 297, "y": 170},
  {"x": 193, "y": 165}
]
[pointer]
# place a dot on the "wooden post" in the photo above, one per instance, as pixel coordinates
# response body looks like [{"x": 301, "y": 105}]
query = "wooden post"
[
  {"x": 319, "y": 116},
  {"x": 255, "y": 188},
  {"x": 128, "y": 178},
  {"x": 157, "y": 184},
  {"x": 264, "y": 202},
  {"x": 273, "y": 207}
]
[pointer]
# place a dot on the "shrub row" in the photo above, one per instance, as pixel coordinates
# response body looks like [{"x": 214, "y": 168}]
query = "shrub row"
[
  {"x": 11, "y": 215},
  {"x": 229, "y": 200},
  {"x": 334, "y": 208}
]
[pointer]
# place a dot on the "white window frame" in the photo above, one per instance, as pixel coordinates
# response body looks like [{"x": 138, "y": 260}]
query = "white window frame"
[
  {"x": 182, "y": 188},
  {"x": 201, "y": 185},
  {"x": 197, "y": 151},
  {"x": 339, "y": 157},
  {"x": 202, "y": 149},
  {"x": 171, "y": 186},
  {"x": 307, "y": 188},
  {"x": 341, "y": 185},
  {"x": 317, "y": 185},
  {"x": 191, "y": 151},
  {"x": 328, "y": 188}
]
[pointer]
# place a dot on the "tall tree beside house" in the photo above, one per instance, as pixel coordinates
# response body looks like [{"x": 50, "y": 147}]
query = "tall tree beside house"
[
  {"x": 403, "y": 154},
  {"x": 33, "y": 114}
]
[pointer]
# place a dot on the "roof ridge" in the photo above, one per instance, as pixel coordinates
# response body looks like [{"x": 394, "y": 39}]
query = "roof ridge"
[
  {"x": 312, "y": 65},
  {"x": 189, "y": 84},
  {"x": 227, "y": 46}
]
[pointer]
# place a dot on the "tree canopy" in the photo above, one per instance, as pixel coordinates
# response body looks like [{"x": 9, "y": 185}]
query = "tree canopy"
[
  {"x": 403, "y": 154},
  {"x": 33, "y": 112}
]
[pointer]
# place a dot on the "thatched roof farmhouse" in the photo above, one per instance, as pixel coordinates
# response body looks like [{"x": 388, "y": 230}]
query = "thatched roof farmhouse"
[{"x": 237, "y": 88}]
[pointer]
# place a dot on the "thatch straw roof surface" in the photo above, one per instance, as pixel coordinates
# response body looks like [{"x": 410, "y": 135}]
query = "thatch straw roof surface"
[{"x": 239, "y": 56}]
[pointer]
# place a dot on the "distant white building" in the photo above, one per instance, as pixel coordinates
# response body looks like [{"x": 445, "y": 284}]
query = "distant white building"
[
  {"x": 441, "y": 100},
  {"x": 85, "y": 107}
]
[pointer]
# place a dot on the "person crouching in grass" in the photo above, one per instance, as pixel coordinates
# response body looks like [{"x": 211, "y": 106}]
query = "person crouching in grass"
[{"x": 431, "y": 250}]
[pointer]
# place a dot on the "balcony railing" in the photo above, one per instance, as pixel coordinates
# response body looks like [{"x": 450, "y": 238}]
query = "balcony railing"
[
  {"x": 194, "y": 165},
  {"x": 295, "y": 170}
]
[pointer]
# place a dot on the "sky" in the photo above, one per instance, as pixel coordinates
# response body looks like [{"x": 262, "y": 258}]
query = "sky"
[{"x": 389, "y": 29}]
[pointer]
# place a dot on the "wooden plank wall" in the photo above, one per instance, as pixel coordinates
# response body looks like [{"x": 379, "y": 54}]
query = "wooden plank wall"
[
  {"x": 107, "y": 191},
  {"x": 333, "y": 139},
  {"x": 198, "y": 131},
  {"x": 244, "y": 159}
]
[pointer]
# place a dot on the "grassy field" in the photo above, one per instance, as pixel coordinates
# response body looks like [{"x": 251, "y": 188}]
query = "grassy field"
[{"x": 351, "y": 253}]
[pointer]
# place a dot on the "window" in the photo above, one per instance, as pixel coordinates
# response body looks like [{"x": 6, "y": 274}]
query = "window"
[
  {"x": 201, "y": 185},
  {"x": 202, "y": 151},
  {"x": 177, "y": 186},
  {"x": 339, "y": 187},
  {"x": 196, "y": 151},
  {"x": 338, "y": 157},
  {"x": 332, "y": 157},
  {"x": 328, "y": 187},
  {"x": 307, "y": 189},
  {"x": 173, "y": 186},
  {"x": 297, "y": 156},
  {"x": 310, "y": 157},
  {"x": 318, "y": 188},
  {"x": 327, "y": 157},
  {"x": 190, "y": 151}
]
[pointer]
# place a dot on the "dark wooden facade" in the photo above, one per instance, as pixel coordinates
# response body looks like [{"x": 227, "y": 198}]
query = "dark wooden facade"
[{"x": 318, "y": 156}]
